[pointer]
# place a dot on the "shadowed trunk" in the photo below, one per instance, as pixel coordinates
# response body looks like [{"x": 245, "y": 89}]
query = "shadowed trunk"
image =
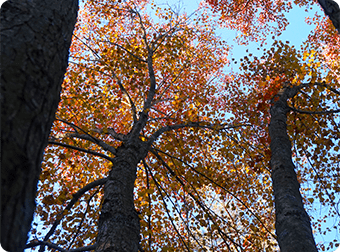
[
  {"x": 35, "y": 39},
  {"x": 332, "y": 10},
  {"x": 293, "y": 227},
  {"x": 119, "y": 224}
]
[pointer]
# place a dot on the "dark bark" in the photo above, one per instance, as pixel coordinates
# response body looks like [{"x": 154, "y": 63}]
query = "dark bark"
[
  {"x": 293, "y": 227},
  {"x": 35, "y": 39},
  {"x": 119, "y": 224},
  {"x": 332, "y": 10}
]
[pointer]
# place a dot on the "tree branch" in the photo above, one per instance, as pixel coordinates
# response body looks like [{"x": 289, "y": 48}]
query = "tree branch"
[
  {"x": 323, "y": 84},
  {"x": 147, "y": 168},
  {"x": 203, "y": 125},
  {"x": 314, "y": 112},
  {"x": 74, "y": 199},
  {"x": 218, "y": 185},
  {"x": 87, "y": 136},
  {"x": 124, "y": 49},
  {"x": 95, "y": 140},
  {"x": 35, "y": 243},
  {"x": 143, "y": 116},
  {"x": 81, "y": 149},
  {"x": 83, "y": 218},
  {"x": 113, "y": 133},
  {"x": 159, "y": 187},
  {"x": 125, "y": 92},
  {"x": 143, "y": 28},
  {"x": 133, "y": 107},
  {"x": 198, "y": 201}
]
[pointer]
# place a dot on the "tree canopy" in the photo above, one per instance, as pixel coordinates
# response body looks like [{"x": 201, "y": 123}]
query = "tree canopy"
[{"x": 158, "y": 146}]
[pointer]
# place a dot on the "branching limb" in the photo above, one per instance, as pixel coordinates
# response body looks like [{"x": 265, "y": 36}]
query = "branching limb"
[
  {"x": 111, "y": 132},
  {"x": 95, "y": 140},
  {"x": 82, "y": 150},
  {"x": 35, "y": 243},
  {"x": 172, "y": 30},
  {"x": 143, "y": 116},
  {"x": 161, "y": 37},
  {"x": 323, "y": 84},
  {"x": 314, "y": 112},
  {"x": 89, "y": 47},
  {"x": 72, "y": 125},
  {"x": 152, "y": 77},
  {"x": 143, "y": 28},
  {"x": 292, "y": 91}
]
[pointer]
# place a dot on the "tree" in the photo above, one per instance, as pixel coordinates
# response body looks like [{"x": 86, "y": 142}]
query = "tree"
[
  {"x": 35, "y": 39},
  {"x": 275, "y": 85},
  {"x": 142, "y": 97},
  {"x": 293, "y": 227}
]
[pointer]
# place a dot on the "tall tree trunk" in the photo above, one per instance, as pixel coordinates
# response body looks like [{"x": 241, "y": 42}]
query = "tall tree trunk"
[
  {"x": 35, "y": 39},
  {"x": 293, "y": 227},
  {"x": 119, "y": 224},
  {"x": 332, "y": 10}
]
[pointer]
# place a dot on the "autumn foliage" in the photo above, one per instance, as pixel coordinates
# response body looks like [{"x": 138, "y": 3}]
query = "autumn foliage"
[
  {"x": 255, "y": 20},
  {"x": 203, "y": 179}
]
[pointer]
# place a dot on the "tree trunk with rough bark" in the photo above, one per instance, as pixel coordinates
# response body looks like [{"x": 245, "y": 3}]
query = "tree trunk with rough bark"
[
  {"x": 35, "y": 40},
  {"x": 119, "y": 224},
  {"x": 332, "y": 10},
  {"x": 293, "y": 227}
]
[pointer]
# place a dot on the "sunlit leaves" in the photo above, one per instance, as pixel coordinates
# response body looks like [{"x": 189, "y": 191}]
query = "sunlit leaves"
[
  {"x": 255, "y": 20},
  {"x": 203, "y": 187},
  {"x": 314, "y": 134},
  {"x": 106, "y": 89}
]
